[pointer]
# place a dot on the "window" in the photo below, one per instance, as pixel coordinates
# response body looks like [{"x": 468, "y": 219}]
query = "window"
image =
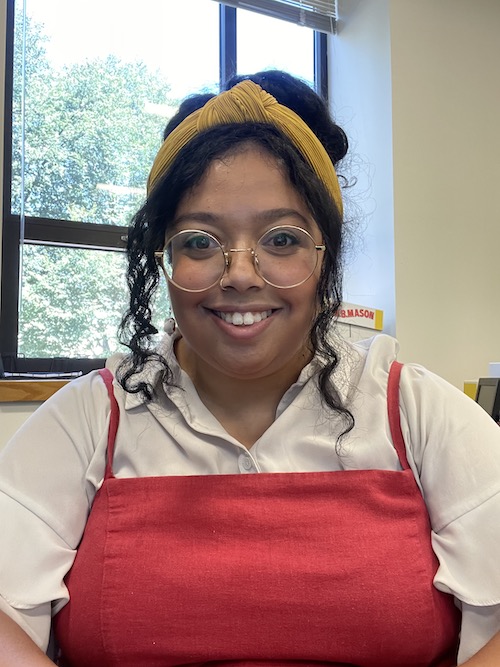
[{"x": 90, "y": 86}]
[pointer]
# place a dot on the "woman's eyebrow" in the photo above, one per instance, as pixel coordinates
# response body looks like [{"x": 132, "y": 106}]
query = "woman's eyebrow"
[
  {"x": 273, "y": 215},
  {"x": 197, "y": 216},
  {"x": 276, "y": 214}
]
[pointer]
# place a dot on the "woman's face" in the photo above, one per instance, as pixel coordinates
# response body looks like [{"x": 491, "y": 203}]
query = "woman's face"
[{"x": 240, "y": 197}]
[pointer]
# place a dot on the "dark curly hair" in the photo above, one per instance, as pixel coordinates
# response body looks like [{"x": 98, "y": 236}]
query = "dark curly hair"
[{"x": 150, "y": 223}]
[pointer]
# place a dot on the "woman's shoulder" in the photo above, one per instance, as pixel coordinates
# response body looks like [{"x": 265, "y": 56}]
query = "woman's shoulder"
[
  {"x": 374, "y": 357},
  {"x": 364, "y": 364},
  {"x": 376, "y": 353},
  {"x": 85, "y": 394},
  {"x": 420, "y": 387},
  {"x": 428, "y": 401},
  {"x": 74, "y": 419}
]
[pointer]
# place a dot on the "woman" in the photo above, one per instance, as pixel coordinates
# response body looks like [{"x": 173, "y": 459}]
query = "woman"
[{"x": 374, "y": 542}]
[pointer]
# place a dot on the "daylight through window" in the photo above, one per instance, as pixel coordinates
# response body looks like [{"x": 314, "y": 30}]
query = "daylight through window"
[{"x": 93, "y": 84}]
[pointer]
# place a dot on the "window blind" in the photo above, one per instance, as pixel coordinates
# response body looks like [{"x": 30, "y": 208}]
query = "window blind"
[{"x": 319, "y": 15}]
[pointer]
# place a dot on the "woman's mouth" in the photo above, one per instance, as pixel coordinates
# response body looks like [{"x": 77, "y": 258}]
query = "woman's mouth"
[{"x": 243, "y": 319}]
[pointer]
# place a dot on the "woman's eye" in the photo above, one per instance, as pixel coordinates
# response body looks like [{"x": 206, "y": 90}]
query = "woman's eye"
[
  {"x": 281, "y": 239},
  {"x": 199, "y": 242}
]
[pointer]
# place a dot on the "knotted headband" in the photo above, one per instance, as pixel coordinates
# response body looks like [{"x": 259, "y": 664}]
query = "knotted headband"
[{"x": 248, "y": 102}]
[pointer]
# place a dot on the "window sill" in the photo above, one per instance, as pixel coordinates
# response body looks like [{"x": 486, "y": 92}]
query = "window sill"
[{"x": 25, "y": 391}]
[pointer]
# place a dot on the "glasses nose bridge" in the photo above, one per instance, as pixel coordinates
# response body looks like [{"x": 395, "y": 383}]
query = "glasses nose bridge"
[
  {"x": 246, "y": 270},
  {"x": 229, "y": 251}
]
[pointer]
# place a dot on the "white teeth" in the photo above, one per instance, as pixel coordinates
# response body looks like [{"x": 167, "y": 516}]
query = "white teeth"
[{"x": 239, "y": 319}]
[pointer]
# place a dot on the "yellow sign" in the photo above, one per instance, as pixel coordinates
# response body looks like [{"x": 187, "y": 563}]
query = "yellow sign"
[{"x": 361, "y": 316}]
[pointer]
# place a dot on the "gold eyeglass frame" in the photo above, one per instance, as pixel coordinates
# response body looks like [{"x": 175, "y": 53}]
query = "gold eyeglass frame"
[{"x": 159, "y": 256}]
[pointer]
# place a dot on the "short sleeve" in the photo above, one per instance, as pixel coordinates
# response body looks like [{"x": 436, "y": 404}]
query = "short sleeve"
[
  {"x": 454, "y": 449},
  {"x": 49, "y": 472},
  {"x": 35, "y": 622}
]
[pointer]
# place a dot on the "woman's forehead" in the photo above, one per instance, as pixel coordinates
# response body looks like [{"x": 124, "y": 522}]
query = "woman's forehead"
[
  {"x": 249, "y": 179},
  {"x": 247, "y": 191}
]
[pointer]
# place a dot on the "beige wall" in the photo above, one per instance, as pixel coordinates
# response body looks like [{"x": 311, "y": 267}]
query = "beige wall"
[
  {"x": 12, "y": 415},
  {"x": 446, "y": 142},
  {"x": 416, "y": 84}
]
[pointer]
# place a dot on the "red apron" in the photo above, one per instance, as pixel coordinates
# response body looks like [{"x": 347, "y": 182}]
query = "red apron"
[{"x": 323, "y": 568}]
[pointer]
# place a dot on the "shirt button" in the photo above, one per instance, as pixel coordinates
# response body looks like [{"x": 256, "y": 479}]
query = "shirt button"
[{"x": 246, "y": 463}]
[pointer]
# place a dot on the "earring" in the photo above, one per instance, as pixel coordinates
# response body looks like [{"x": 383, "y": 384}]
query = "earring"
[{"x": 169, "y": 325}]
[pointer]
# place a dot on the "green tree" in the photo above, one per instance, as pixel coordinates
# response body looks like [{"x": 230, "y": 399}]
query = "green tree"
[
  {"x": 72, "y": 300},
  {"x": 32, "y": 81},
  {"x": 89, "y": 155},
  {"x": 89, "y": 142}
]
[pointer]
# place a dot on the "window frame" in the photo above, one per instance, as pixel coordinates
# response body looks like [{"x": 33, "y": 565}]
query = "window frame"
[{"x": 77, "y": 234}]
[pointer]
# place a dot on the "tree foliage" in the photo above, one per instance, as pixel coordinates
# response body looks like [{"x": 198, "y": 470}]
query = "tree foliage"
[
  {"x": 88, "y": 142},
  {"x": 72, "y": 300}
]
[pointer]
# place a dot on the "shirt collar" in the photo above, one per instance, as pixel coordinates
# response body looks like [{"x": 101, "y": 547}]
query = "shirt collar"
[{"x": 151, "y": 373}]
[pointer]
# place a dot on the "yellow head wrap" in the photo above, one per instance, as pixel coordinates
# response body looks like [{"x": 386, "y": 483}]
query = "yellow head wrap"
[{"x": 248, "y": 102}]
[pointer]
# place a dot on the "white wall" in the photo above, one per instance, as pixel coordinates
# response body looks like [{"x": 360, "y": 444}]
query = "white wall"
[
  {"x": 360, "y": 85},
  {"x": 429, "y": 69}
]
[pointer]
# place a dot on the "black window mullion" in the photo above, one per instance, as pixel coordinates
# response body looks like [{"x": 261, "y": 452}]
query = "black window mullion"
[
  {"x": 11, "y": 232},
  {"x": 32, "y": 365},
  {"x": 321, "y": 64},
  {"x": 82, "y": 234},
  {"x": 9, "y": 313},
  {"x": 227, "y": 41}
]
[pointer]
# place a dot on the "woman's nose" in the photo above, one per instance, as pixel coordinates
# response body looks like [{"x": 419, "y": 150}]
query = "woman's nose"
[{"x": 242, "y": 272}]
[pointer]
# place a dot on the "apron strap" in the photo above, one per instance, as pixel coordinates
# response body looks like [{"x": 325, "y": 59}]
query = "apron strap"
[
  {"x": 392, "y": 407},
  {"x": 394, "y": 413},
  {"x": 107, "y": 376}
]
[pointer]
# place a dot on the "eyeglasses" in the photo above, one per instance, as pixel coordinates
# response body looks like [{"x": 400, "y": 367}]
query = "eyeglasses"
[{"x": 195, "y": 260}]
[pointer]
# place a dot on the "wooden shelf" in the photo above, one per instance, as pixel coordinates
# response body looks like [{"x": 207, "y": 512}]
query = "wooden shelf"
[{"x": 23, "y": 391}]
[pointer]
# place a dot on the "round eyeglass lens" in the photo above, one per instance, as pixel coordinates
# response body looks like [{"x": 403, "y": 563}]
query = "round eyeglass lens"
[
  {"x": 286, "y": 256},
  {"x": 194, "y": 260}
]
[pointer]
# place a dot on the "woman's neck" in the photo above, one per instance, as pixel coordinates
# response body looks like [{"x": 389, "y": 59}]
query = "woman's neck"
[{"x": 246, "y": 407}]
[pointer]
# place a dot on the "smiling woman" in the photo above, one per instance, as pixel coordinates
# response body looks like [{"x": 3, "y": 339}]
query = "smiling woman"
[
  {"x": 245, "y": 328},
  {"x": 251, "y": 490}
]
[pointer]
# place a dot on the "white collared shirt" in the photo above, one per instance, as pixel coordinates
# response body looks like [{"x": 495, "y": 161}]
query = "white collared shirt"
[{"x": 51, "y": 469}]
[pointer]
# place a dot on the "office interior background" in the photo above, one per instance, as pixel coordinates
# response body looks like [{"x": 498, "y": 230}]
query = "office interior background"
[{"x": 416, "y": 87}]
